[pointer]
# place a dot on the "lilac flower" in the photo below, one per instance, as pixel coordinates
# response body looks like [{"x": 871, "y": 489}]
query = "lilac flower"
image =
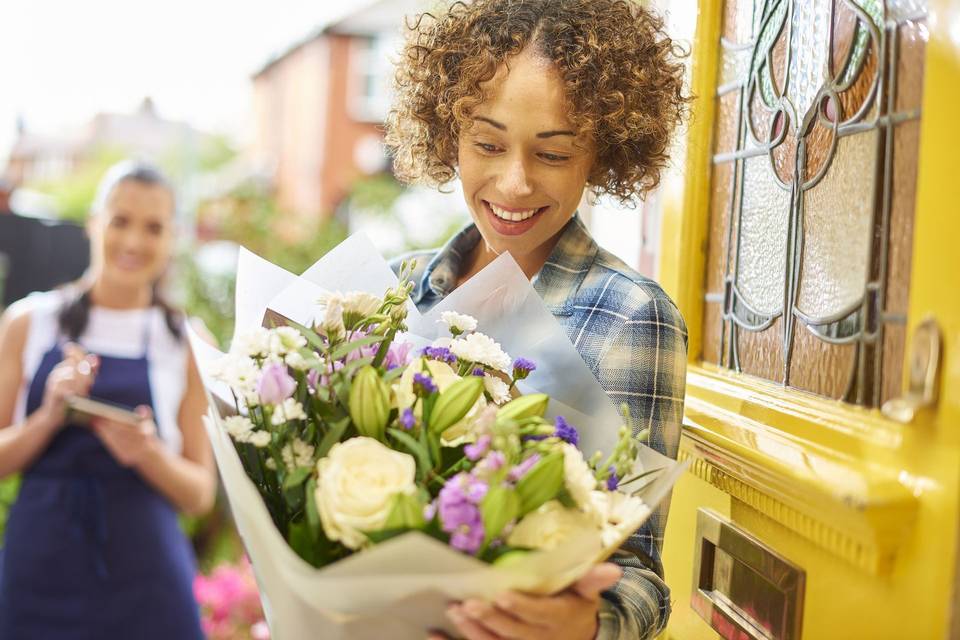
[
  {"x": 493, "y": 462},
  {"x": 612, "y": 480},
  {"x": 566, "y": 432},
  {"x": 423, "y": 385},
  {"x": 275, "y": 384},
  {"x": 479, "y": 372},
  {"x": 407, "y": 419},
  {"x": 313, "y": 378},
  {"x": 398, "y": 355},
  {"x": 522, "y": 368},
  {"x": 523, "y": 468},
  {"x": 477, "y": 450},
  {"x": 429, "y": 511},
  {"x": 439, "y": 353},
  {"x": 459, "y": 512}
]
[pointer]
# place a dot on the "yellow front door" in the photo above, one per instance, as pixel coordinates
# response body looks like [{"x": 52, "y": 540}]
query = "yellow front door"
[{"x": 810, "y": 240}]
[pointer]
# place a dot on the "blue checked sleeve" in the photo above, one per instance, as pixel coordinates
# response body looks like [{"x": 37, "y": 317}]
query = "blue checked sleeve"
[{"x": 645, "y": 367}]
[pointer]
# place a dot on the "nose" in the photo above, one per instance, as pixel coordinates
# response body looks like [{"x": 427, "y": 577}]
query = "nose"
[{"x": 516, "y": 181}]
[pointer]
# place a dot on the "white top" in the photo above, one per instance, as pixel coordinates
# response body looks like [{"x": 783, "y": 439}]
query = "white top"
[{"x": 116, "y": 333}]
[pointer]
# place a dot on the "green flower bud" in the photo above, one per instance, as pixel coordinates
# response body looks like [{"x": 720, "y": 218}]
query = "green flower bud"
[
  {"x": 406, "y": 513},
  {"x": 528, "y": 406},
  {"x": 454, "y": 403},
  {"x": 541, "y": 484},
  {"x": 499, "y": 507},
  {"x": 369, "y": 403}
]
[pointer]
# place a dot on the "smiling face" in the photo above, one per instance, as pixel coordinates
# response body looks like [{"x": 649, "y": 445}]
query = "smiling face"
[
  {"x": 132, "y": 237},
  {"x": 522, "y": 164}
]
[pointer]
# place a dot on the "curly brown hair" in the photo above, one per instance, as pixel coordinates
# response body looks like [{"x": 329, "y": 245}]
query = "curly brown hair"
[{"x": 623, "y": 77}]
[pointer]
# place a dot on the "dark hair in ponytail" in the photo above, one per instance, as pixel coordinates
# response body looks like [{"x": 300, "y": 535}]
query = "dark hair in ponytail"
[{"x": 75, "y": 313}]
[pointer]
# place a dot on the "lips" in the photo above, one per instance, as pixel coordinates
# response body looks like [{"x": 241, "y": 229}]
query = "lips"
[{"x": 525, "y": 220}]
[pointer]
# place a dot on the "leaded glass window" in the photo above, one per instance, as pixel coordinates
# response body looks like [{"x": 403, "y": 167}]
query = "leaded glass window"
[{"x": 814, "y": 179}]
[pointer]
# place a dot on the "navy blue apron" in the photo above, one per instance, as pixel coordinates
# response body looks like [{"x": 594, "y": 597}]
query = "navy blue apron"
[{"x": 91, "y": 550}]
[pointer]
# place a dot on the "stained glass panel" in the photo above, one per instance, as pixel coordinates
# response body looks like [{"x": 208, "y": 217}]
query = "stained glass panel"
[{"x": 813, "y": 193}]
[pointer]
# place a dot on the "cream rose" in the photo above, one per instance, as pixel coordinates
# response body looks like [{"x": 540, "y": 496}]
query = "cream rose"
[
  {"x": 355, "y": 488},
  {"x": 550, "y": 526}
]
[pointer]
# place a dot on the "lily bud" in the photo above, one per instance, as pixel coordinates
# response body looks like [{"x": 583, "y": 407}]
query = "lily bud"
[
  {"x": 541, "y": 484},
  {"x": 369, "y": 403},
  {"x": 528, "y": 406},
  {"x": 454, "y": 403},
  {"x": 499, "y": 507}
]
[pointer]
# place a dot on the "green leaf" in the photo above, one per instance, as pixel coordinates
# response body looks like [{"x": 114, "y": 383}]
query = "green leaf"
[
  {"x": 353, "y": 345},
  {"x": 310, "y": 507},
  {"x": 393, "y": 374},
  {"x": 406, "y": 512},
  {"x": 353, "y": 365},
  {"x": 296, "y": 477},
  {"x": 303, "y": 543},
  {"x": 309, "y": 334},
  {"x": 332, "y": 437},
  {"x": 418, "y": 450},
  {"x": 376, "y": 537}
]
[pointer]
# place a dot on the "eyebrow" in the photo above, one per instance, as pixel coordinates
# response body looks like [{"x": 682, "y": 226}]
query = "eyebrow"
[{"x": 542, "y": 134}]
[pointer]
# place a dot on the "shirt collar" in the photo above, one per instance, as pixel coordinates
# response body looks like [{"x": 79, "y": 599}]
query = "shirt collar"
[{"x": 556, "y": 282}]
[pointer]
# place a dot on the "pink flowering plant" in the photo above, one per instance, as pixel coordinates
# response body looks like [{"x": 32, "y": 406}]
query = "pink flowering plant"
[
  {"x": 353, "y": 437},
  {"x": 230, "y": 603}
]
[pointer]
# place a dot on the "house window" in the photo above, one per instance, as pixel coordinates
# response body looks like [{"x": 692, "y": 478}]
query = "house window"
[
  {"x": 371, "y": 76},
  {"x": 814, "y": 182}
]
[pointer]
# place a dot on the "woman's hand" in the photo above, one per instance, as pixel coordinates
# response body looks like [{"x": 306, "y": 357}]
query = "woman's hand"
[
  {"x": 129, "y": 444},
  {"x": 568, "y": 615},
  {"x": 73, "y": 376}
]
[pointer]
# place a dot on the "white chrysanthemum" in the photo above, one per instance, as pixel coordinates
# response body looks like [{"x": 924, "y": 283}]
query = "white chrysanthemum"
[
  {"x": 296, "y": 361},
  {"x": 497, "y": 389},
  {"x": 458, "y": 322},
  {"x": 286, "y": 340},
  {"x": 270, "y": 464},
  {"x": 259, "y": 439},
  {"x": 578, "y": 477},
  {"x": 240, "y": 373},
  {"x": 361, "y": 304},
  {"x": 254, "y": 343},
  {"x": 297, "y": 454},
  {"x": 332, "y": 323},
  {"x": 289, "y": 410},
  {"x": 617, "y": 514},
  {"x": 239, "y": 428},
  {"x": 477, "y": 347}
]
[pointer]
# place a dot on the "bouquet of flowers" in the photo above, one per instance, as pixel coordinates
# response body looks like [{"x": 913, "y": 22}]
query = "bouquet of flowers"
[{"x": 378, "y": 453}]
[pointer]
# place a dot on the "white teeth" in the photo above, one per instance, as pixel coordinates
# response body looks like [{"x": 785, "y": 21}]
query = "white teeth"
[{"x": 513, "y": 216}]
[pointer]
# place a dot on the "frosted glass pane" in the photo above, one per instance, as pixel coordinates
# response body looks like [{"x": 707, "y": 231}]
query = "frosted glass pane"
[
  {"x": 837, "y": 226},
  {"x": 809, "y": 41},
  {"x": 763, "y": 233},
  {"x": 899, "y": 10},
  {"x": 734, "y": 67}
]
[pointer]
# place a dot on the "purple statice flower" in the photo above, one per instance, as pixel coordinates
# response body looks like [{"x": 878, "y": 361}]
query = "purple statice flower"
[
  {"x": 522, "y": 368},
  {"x": 459, "y": 512},
  {"x": 566, "y": 431},
  {"x": 407, "y": 419},
  {"x": 479, "y": 448},
  {"x": 612, "y": 480},
  {"x": 523, "y": 468},
  {"x": 479, "y": 372},
  {"x": 493, "y": 462},
  {"x": 398, "y": 355},
  {"x": 423, "y": 385},
  {"x": 429, "y": 511},
  {"x": 439, "y": 353},
  {"x": 275, "y": 384}
]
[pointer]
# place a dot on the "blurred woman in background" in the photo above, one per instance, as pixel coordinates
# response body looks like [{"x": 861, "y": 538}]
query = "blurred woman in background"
[{"x": 93, "y": 548}]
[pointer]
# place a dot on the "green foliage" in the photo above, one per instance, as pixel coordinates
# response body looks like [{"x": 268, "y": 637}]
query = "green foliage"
[
  {"x": 8, "y": 493},
  {"x": 73, "y": 194}
]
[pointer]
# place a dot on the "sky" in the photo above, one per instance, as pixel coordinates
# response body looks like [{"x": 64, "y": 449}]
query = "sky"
[{"x": 61, "y": 62}]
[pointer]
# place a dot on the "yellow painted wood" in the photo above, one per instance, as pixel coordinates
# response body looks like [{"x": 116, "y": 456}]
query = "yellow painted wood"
[{"x": 767, "y": 454}]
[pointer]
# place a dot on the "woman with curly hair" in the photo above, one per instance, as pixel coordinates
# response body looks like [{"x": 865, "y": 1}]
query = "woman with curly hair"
[{"x": 529, "y": 103}]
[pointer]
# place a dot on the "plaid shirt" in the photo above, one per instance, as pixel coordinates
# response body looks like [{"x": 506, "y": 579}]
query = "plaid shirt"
[{"x": 632, "y": 337}]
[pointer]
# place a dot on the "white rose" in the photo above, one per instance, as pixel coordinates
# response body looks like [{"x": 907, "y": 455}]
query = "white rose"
[
  {"x": 458, "y": 322},
  {"x": 617, "y": 514},
  {"x": 356, "y": 484},
  {"x": 578, "y": 477},
  {"x": 477, "y": 347},
  {"x": 550, "y": 526}
]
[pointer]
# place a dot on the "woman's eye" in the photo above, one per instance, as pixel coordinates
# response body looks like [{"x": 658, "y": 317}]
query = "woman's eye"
[
  {"x": 155, "y": 228},
  {"x": 552, "y": 157},
  {"x": 118, "y": 221},
  {"x": 486, "y": 147}
]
